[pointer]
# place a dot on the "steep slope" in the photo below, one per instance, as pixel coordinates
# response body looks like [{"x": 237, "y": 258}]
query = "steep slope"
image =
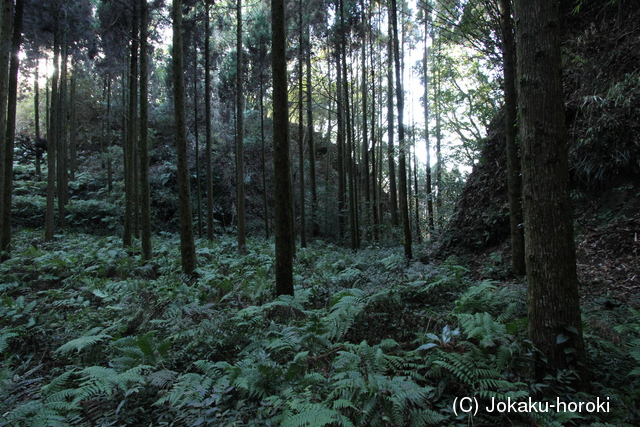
[{"x": 602, "y": 92}]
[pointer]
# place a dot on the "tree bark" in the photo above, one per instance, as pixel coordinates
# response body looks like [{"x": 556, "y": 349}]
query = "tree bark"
[
  {"x": 430, "y": 221},
  {"x": 73, "y": 149},
  {"x": 6, "y": 27},
  {"x": 240, "y": 192},
  {"x": 365, "y": 135},
  {"x": 52, "y": 138},
  {"x": 62, "y": 173},
  {"x": 303, "y": 225},
  {"x": 187, "y": 244},
  {"x": 340, "y": 144},
  {"x": 207, "y": 113},
  {"x": 555, "y": 325},
  {"x": 281, "y": 162},
  {"x": 265, "y": 205},
  {"x": 393, "y": 190},
  {"x": 131, "y": 145},
  {"x": 145, "y": 208},
  {"x": 14, "y": 63},
  {"x": 402, "y": 168},
  {"x": 36, "y": 118},
  {"x": 353, "y": 228},
  {"x": 108, "y": 140},
  {"x": 514, "y": 181},
  {"x": 311, "y": 141},
  {"x": 196, "y": 132}
]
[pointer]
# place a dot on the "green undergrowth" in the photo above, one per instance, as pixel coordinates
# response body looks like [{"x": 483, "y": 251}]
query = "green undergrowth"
[{"x": 91, "y": 335}]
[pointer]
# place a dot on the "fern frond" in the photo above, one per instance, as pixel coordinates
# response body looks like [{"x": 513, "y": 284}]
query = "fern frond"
[
  {"x": 303, "y": 414},
  {"x": 425, "y": 417},
  {"x": 4, "y": 340},
  {"x": 83, "y": 342}
]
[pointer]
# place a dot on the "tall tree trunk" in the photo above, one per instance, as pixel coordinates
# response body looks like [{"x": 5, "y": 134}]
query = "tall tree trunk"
[
  {"x": 242, "y": 239},
  {"x": 207, "y": 113},
  {"x": 265, "y": 205},
  {"x": 61, "y": 118},
  {"x": 402, "y": 168},
  {"x": 425, "y": 70},
  {"x": 145, "y": 198},
  {"x": 197, "y": 138},
  {"x": 374, "y": 157},
  {"x": 328, "y": 158},
  {"x": 311, "y": 141},
  {"x": 393, "y": 190},
  {"x": 108, "y": 140},
  {"x": 349, "y": 132},
  {"x": 415, "y": 187},
  {"x": 436, "y": 101},
  {"x": 52, "y": 137},
  {"x": 36, "y": 118},
  {"x": 303, "y": 225},
  {"x": 187, "y": 244},
  {"x": 73, "y": 149},
  {"x": 6, "y": 153},
  {"x": 340, "y": 144},
  {"x": 12, "y": 98},
  {"x": 47, "y": 108},
  {"x": 365, "y": 136},
  {"x": 514, "y": 181},
  {"x": 281, "y": 163},
  {"x": 555, "y": 325},
  {"x": 131, "y": 145}
]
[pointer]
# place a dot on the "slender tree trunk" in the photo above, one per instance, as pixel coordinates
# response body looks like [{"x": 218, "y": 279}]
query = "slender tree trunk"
[
  {"x": 348, "y": 131},
  {"x": 12, "y": 98},
  {"x": 63, "y": 174},
  {"x": 265, "y": 204},
  {"x": 36, "y": 110},
  {"x": 197, "y": 138},
  {"x": 242, "y": 239},
  {"x": 402, "y": 168},
  {"x": 6, "y": 152},
  {"x": 329, "y": 156},
  {"x": 340, "y": 145},
  {"x": 393, "y": 191},
  {"x": 436, "y": 101},
  {"x": 311, "y": 141},
  {"x": 416, "y": 188},
  {"x": 430, "y": 221},
  {"x": 145, "y": 198},
  {"x": 374, "y": 157},
  {"x": 303, "y": 225},
  {"x": 108, "y": 140},
  {"x": 513, "y": 159},
  {"x": 52, "y": 137},
  {"x": 187, "y": 244},
  {"x": 365, "y": 136},
  {"x": 281, "y": 163},
  {"x": 73, "y": 149},
  {"x": 207, "y": 113},
  {"x": 130, "y": 153},
  {"x": 555, "y": 325},
  {"x": 47, "y": 109}
]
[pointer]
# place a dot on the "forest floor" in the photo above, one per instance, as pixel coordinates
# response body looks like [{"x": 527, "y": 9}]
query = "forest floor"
[{"x": 91, "y": 335}]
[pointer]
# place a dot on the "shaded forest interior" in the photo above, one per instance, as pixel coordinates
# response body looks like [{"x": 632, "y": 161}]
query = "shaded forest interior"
[{"x": 303, "y": 213}]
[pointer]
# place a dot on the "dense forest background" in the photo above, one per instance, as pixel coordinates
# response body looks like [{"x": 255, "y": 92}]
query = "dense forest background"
[{"x": 313, "y": 213}]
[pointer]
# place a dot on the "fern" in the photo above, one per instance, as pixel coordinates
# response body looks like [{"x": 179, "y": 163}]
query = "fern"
[
  {"x": 4, "y": 339},
  {"x": 345, "y": 307},
  {"x": 91, "y": 338},
  {"x": 304, "y": 414},
  {"x": 483, "y": 327}
]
